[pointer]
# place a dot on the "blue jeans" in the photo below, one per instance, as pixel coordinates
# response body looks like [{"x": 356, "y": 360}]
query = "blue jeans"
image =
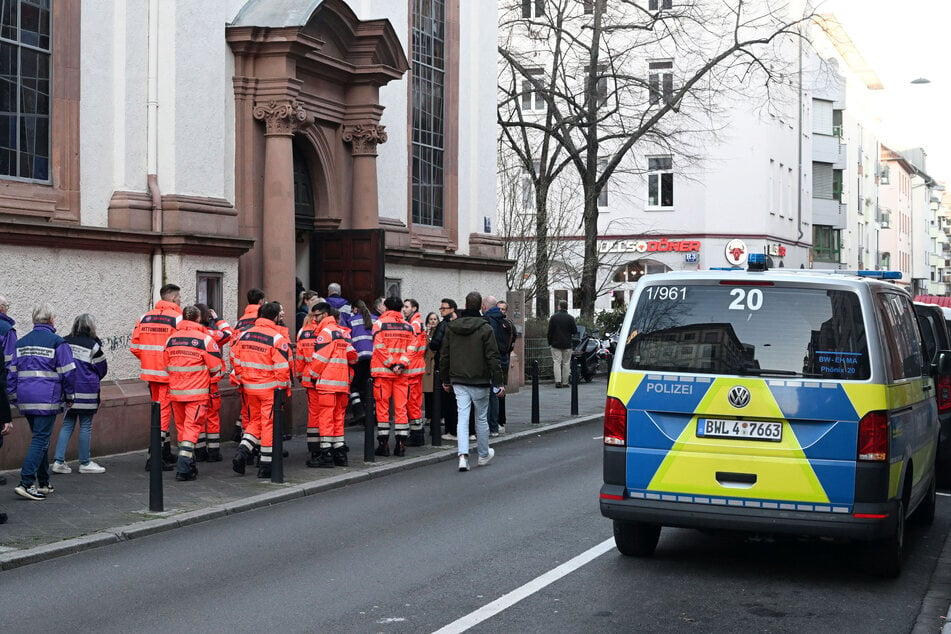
[
  {"x": 37, "y": 462},
  {"x": 85, "y": 435},
  {"x": 468, "y": 396}
]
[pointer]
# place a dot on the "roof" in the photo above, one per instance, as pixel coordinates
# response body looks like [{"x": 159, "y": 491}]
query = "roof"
[
  {"x": 276, "y": 13},
  {"x": 934, "y": 299}
]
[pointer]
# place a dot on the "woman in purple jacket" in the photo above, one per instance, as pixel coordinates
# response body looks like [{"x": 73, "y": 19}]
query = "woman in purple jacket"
[{"x": 90, "y": 369}]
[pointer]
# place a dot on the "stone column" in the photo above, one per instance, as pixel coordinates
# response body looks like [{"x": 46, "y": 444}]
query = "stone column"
[
  {"x": 364, "y": 138},
  {"x": 278, "y": 246}
]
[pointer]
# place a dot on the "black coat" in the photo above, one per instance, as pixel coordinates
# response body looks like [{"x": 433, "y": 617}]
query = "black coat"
[{"x": 561, "y": 327}]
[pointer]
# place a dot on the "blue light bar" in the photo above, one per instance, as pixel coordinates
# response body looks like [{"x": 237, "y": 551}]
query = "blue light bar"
[
  {"x": 725, "y": 268},
  {"x": 756, "y": 262},
  {"x": 882, "y": 275}
]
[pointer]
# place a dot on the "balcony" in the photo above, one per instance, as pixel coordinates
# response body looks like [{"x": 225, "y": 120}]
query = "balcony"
[
  {"x": 828, "y": 211},
  {"x": 828, "y": 149}
]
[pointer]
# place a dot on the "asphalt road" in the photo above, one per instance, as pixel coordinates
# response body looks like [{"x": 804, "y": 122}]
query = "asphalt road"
[{"x": 517, "y": 546}]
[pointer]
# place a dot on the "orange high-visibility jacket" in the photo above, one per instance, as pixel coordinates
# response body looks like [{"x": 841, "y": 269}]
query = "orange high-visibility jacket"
[
  {"x": 417, "y": 363},
  {"x": 149, "y": 337},
  {"x": 193, "y": 362},
  {"x": 392, "y": 338},
  {"x": 331, "y": 363},
  {"x": 247, "y": 319},
  {"x": 303, "y": 353},
  {"x": 260, "y": 358}
]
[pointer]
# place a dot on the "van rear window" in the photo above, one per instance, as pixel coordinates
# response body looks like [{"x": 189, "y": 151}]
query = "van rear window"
[{"x": 748, "y": 330}]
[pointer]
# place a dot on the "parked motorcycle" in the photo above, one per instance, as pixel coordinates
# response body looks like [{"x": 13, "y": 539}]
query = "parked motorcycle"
[{"x": 588, "y": 353}]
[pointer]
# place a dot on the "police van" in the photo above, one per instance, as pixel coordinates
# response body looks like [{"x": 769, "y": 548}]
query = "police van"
[{"x": 771, "y": 401}]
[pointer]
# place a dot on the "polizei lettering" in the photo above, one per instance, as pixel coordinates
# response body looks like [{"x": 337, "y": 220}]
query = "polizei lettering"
[{"x": 670, "y": 388}]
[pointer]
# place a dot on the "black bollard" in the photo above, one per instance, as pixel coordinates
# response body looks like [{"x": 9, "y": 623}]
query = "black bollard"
[
  {"x": 574, "y": 386},
  {"x": 435, "y": 416},
  {"x": 535, "y": 418},
  {"x": 369, "y": 425},
  {"x": 277, "y": 448},
  {"x": 156, "y": 502}
]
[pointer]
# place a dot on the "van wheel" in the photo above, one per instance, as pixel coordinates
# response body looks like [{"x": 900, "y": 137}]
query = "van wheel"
[
  {"x": 884, "y": 555},
  {"x": 636, "y": 539},
  {"x": 924, "y": 514}
]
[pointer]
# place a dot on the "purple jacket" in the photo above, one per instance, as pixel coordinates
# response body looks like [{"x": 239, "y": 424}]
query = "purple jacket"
[
  {"x": 343, "y": 306},
  {"x": 8, "y": 341},
  {"x": 361, "y": 336},
  {"x": 91, "y": 366},
  {"x": 42, "y": 374}
]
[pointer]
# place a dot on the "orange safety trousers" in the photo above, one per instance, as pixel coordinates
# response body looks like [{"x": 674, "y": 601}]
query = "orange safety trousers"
[
  {"x": 189, "y": 419},
  {"x": 260, "y": 423},
  {"x": 211, "y": 430},
  {"x": 385, "y": 388},
  {"x": 159, "y": 392},
  {"x": 331, "y": 412},
  {"x": 414, "y": 397},
  {"x": 313, "y": 424}
]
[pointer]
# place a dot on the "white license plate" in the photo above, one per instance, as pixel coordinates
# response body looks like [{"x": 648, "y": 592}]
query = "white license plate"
[{"x": 748, "y": 429}]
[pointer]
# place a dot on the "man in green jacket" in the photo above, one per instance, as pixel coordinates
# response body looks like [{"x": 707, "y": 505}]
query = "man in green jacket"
[{"x": 469, "y": 366}]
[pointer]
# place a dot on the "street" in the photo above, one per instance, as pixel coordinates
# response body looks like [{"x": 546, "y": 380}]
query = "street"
[{"x": 427, "y": 548}]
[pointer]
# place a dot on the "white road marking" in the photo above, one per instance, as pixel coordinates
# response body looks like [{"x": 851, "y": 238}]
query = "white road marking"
[
  {"x": 507, "y": 600},
  {"x": 947, "y": 495}
]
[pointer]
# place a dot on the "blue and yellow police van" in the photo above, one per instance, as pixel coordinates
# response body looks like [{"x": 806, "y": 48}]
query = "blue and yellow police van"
[{"x": 793, "y": 402}]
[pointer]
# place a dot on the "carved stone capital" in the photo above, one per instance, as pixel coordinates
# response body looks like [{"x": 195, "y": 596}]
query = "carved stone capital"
[
  {"x": 364, "y": 138},
  {"x": 281, "y": 117}
]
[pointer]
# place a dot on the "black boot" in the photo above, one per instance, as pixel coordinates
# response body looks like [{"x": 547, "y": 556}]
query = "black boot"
[
  {"x": 214, "y": 455},
  {"x": 237, "y": 433},
  {"x": 167, "y": 456},
  {"x": 384, "y": 446},
  {"x": 400, "y": 449},
  {"x": 201, "y": 454},
  {"x": 417, "y": 438},
  {"x": 340, "y": 455},
  {"x": 240, "y": 459},
  {"x": 325, "y": 459},
  {"x": 314, "y": 460},
  {"x": 264, "y": 471}
]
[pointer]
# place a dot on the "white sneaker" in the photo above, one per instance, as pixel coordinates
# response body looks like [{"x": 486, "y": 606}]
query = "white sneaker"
[
  {"x": 448, "y": 437},
  {"x": 60, "y": 467},
  {"x": 501, "y": 429},
  {"x": 92, "y": 467},
  {"x": 493, "y": 434},
  {"x": 464, "y": 463},
  {"x": 485, "y": 460},
  {"x": 471, "y": 438}
]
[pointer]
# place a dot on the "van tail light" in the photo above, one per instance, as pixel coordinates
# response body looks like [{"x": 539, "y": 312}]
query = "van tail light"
[
  {"x": 873, "y": 437},
  {"x": 944, "y": 392},
  {"x": 615, "y": 422}
]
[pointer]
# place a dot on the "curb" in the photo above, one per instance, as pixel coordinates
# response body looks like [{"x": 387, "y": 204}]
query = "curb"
[{"x": 25, "y": 557}]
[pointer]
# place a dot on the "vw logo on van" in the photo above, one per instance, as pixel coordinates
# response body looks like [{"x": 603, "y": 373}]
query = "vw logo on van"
[{"x": 739, "y": 396}]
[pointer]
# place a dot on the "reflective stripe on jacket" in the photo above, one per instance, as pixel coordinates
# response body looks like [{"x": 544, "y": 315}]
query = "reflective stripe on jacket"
[
  {"x": 91, "y": 367},
  {"x": 330, "y": 364},
  {"x": 417, "y": 350},
  {"x": 193, "y": 362},
  {"x": 392, "y": 337},
  {"x": 42, "y": 374},
  {"x": 149, "y": 337},
  {"x": 260, "y": 357},
  {"x": 305, "y": 349}
]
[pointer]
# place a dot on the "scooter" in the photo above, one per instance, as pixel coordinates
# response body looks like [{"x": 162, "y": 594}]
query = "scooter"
[{"x": 587, "y": 353}]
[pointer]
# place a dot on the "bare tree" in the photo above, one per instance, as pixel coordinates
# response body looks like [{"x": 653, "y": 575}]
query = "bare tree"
[{"x": 605, "y": 77}]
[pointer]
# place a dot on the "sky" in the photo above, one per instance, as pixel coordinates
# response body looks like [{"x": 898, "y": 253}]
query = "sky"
[{"x": 905, "y": 40}]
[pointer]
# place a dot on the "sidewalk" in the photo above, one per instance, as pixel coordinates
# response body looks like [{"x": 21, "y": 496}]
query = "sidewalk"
[{"x": 91, "y": 510}]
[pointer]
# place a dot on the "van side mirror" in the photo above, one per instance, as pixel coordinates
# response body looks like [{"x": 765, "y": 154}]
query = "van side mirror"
[{"x": 943, "y": 363}]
